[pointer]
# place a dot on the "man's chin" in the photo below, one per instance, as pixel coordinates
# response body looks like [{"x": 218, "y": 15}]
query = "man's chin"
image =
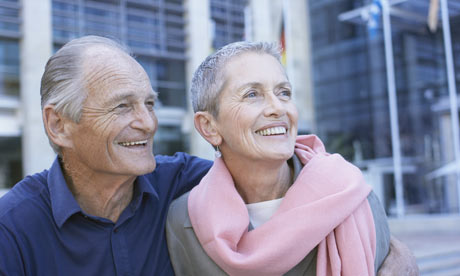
[
  {"x": 146, "y": 168},
  {"x": 140, "y": 167}
]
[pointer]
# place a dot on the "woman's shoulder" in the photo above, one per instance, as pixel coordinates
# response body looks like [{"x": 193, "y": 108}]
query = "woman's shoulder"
[
  {"x": 378, "y": 212},
  {"x": 382, "y": 230},
  {"x": 178, "y": 213},
  {"x": 187, "y": 255}
]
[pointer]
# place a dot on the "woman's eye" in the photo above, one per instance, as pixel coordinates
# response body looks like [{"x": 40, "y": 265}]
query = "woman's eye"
[
  {"x": 285, "y": 93},
  {"x": 251, "y": 94}
]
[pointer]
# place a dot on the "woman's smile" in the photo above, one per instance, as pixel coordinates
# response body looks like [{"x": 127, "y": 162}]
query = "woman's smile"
[{"x": 257, "y": 118}]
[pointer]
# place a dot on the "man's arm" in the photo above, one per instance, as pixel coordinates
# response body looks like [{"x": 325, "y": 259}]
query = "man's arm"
[
  {"x": 10, "y": 256},
  {"x": 193, "y": 170},
  {"x": 399, "y": 261}
]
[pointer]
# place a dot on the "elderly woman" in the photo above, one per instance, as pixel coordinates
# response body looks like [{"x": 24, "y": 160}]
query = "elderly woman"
[{"x": 273, "y": 203}]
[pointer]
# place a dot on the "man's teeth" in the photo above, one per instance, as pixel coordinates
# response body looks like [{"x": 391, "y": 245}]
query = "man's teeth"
[
  {"x": 136, "y": 143},
  {"x": 272, "y": 131}
]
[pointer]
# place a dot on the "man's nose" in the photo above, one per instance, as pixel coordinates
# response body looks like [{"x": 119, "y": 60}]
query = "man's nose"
[{"x": 145, "y": 119}]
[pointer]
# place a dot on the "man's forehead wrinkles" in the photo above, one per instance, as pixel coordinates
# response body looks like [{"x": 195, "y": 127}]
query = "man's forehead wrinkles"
[
  {"x": 102, "y": 66},
  {"x": 100, "y": 76},
  {"x": 111, "y": 73}
]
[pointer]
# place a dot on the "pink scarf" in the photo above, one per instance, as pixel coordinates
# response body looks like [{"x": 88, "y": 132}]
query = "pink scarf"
[{"x": 326, "y": 207}]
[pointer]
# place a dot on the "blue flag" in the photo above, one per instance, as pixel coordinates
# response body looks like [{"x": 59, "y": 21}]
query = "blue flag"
[{"x": 373, "y": 23}]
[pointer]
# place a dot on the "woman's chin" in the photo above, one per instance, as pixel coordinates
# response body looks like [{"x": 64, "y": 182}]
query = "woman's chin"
[{"x": 278, "y": 155}]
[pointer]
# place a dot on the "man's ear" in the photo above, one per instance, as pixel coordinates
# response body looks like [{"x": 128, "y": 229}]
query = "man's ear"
[
  {"x": 205, "y": 124},
  {"x": 55, "y": 126}
]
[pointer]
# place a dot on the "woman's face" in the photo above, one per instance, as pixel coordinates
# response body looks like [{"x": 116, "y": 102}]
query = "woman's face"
[{"x": 257, "y": 119}]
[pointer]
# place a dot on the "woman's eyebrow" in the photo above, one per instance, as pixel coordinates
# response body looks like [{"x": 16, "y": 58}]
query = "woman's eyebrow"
[
  {"x": 250, "y": 84},
  {"x": 258, "y": 84},
  {"x": 284, "y": 84}
]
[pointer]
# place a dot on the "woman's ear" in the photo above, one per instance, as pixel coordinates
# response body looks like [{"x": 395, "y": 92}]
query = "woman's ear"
[
  {"x": 55, "y": 126},
  {"x": 206, "y": 125}
]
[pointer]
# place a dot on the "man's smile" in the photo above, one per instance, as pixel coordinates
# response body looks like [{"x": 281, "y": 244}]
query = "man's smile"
[{"x": 133, "y": 143}]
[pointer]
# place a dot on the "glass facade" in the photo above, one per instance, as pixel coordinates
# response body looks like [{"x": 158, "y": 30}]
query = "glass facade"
[
  {"x": 351, "y": 96},
  {"x": 154, "y": 30},
  {"x": 10, "y": 142},
  {"x": 228, "y": 21}
]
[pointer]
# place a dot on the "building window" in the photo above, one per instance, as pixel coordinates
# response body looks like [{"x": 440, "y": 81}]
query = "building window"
[
  {"x": 228, "y": 20},
  {"x": 154, "y": 32}
]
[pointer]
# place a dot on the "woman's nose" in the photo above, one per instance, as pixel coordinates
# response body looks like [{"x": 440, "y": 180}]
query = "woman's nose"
[{"x": 274, "y": 107}]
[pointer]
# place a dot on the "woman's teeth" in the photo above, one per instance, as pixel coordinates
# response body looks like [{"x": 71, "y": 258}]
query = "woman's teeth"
[
  {"x": 272, "y": 131},
  {"x": 136, "y": 143}
]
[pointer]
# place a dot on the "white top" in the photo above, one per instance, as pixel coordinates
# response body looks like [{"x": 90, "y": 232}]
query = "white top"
[{"x": 261, "y": 212}]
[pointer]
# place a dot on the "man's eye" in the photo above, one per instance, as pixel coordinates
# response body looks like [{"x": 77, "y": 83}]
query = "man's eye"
[
  {"x": 122, "y": 105},
  {"x": 150, "y": 104}
]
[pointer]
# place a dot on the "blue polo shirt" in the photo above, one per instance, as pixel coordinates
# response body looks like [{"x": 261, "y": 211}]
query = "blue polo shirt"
[{"x": 43, "y": 230}]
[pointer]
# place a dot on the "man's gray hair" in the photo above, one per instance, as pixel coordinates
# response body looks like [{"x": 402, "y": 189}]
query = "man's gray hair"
[
  {"x": 62, "y": 83},
  {"x": 207, "y": 80}
]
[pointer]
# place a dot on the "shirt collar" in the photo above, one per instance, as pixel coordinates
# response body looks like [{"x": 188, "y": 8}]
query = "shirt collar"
[
  {"x": 63, "y": 203},
  {"x": 143, "y": 185}
]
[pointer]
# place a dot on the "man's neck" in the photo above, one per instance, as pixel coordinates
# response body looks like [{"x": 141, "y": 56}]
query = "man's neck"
[{"x": 99, "y": 195}]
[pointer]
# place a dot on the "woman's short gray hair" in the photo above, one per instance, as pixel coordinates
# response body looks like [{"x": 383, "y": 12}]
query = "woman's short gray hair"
[
  {"x": 207, "y": 79},
  {"x": 62, "y": 83}
]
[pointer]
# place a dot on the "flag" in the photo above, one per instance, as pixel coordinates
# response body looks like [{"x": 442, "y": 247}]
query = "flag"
[
  {"x": 373, "y": 22},
  {"x": 283, "y": 43},
  {"x": 433, "y": 15}
]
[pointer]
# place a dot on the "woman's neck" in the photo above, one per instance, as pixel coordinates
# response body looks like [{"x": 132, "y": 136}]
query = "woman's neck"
[{"x": 260, "y": 181}]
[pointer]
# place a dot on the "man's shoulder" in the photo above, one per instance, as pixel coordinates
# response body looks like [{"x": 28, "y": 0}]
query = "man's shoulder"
[
  {"x": 174, "y": 175},
  {"x": 25, "y": 198},
  {"x": 179, "y": 159},
  {"x": 181, "y": 163}
]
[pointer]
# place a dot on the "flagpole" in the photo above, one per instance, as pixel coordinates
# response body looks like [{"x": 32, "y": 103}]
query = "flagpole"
[
  {"x": 395, "y": 139},
  {"x": 452, "y": 90}
]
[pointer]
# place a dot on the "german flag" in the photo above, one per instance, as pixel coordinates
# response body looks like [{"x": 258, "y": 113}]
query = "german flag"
[{"x": 283, "y": 43}]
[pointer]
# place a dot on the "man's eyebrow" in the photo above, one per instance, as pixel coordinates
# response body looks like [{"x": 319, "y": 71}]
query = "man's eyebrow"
[
  {"x": 126, "y": 96},
  {"x": 112, "y": 99}
]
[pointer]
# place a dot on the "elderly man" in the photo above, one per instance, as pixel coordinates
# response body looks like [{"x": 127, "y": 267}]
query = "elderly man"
[{"x": 101, "y": 207}]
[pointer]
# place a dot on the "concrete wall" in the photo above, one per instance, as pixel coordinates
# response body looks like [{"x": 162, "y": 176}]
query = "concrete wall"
[
  {"x": 35, "y": 49},
  {"x": 198, "y": 31}
]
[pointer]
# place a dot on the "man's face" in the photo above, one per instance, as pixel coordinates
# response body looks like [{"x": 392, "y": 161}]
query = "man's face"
[{"x": 115, "y": 132}]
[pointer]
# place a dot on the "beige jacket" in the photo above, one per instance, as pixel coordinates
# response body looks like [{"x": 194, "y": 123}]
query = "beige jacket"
[{"x": 189, "y": 258}]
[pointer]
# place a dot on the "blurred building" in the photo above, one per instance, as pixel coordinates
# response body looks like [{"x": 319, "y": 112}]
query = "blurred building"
[
  {"x": 169, "y": 38},
  {"x": 412, "y": 161},
  {"x": 352, "y": 105}
]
